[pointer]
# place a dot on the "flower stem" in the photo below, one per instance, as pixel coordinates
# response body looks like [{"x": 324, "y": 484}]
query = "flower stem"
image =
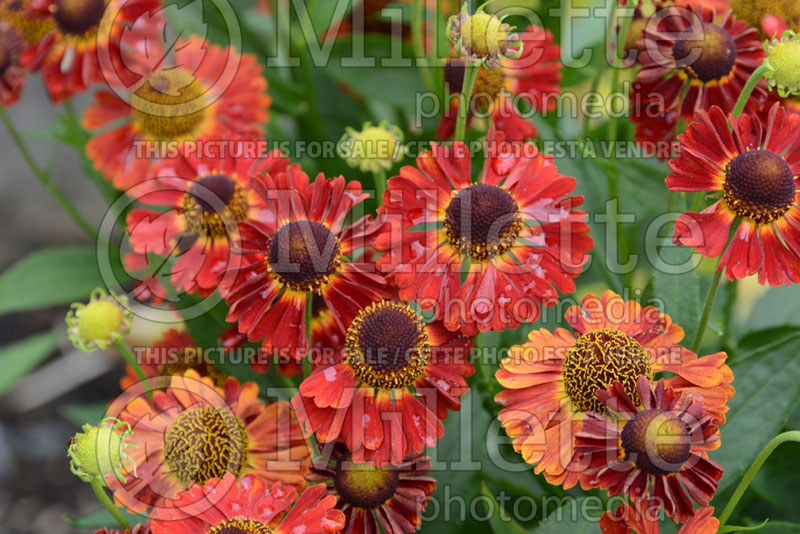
[
  {"x": 130, "y": 359},
  {"x": 748, "y": 89},
  {"x": 793, "y": 435},
  {"x": 470, "y": 75},
  {"x": 380, "y": 185},
  {"x": 97, "y": 486},
  {"x": 309, "y": 315},
  {"x": 417, "y": 31},
  {"x": 44, "y": 177},
  {"x": 712, "y": 294}
]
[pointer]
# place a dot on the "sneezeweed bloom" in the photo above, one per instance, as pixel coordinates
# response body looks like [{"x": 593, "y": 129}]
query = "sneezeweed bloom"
[
  {"x": 248, "y": 506},
  {"x": 630, "y": 517},
  {"x": 387, "y": 390},
  {"x": 783, "y": 64},
  {"x": 374, "y": 148},
  {"x": 708, "y": 64},
  {"x": 392, "y": 497},
  {"x": 82, "y": 32},
  {"x": 100, "y": 322},
  {"x": 550, "y": 381},
  {"x": 302, "y": 251},
  {"x": 483, "y": 39},
  {"x": 192, "y": 432},
  {"x": 655, "y": 450},
  {"x": 138, "y": 528},
  {"x": 755, "y": 12},
  {"x": 514, "y": 238},
  {"x": 34, "y": 24},
  {"x": 207, "y": 198},
  {"x": 102, "y": 451},
  {"x": 173, "y": 354},
  {"x": 752, "y": 169},
  {"x": 176, "y": 112},
  {"x": 12, "y": 74}
]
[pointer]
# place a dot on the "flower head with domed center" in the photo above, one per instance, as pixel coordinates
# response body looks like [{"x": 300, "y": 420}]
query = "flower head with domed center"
[
  {"x": 100, "y": 450},
  {"x": 483, "y": 39},
  {"x": 100, "y": 322},
  {"x": 372, "y": 149},
  {"x": 783, "y": 64}
]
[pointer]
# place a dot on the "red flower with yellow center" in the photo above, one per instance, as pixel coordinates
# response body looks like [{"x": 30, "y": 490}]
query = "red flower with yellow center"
[
  {"x": 207, "y": 199},
  {"x": 753, "y": 169},
  {"x": 513, "y": 237},
  {"x": 707, "y": 64},
  {"x": 192, "y": 432},
  {"x": 302, "y": 250},
  {"x": 176, "y": 112},
  {"x": 655, "y": 451},
  {"x": 550, "y": 381},
  {"x": 80, "y": 32},
  {"x": 12, "y": 74},
  {"x": 387, "y": 389},
  {"x": 632, "y": 517},
  {"x": 534, "y": 78},
  {"x": 248, "y": 506},
  {"x": 389, "y": 498}
]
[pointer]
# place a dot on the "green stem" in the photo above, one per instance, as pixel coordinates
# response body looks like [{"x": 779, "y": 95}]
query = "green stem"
[
  {"x": 97, "y": 486},
  {"x": 380, "y": 185},
  {"x": 417, "y": 32},
  {"x": 309, "y": 317},
  {"x": 793, "y": 435},
  {"x": 748, "y": 89},
  {"x": 470, "y": 75},
  {"x": 44, "y": 177},
  {"x": 130, "y": 359},
  {"x": 712, "y": 294},
  {"x": 603, "y": 58}
]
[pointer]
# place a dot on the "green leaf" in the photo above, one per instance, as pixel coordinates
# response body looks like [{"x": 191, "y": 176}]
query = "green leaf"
[
  {"x": 18, "y": 359},
  {"x": 49, "y": 277},
  {"x": 680, "y": 293},
  {"x": 501, "y": 522},
  {"x": 81, "y": 413},
  {"x": 766, "y": 395},
  {"x": 101, "y": 518},
  {"x": 574, "y": 516},
  {"x": 779, "y": 527}
]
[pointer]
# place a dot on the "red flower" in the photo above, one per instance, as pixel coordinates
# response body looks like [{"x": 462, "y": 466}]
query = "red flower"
[
  {"x": 12, "y": 74},
  {"x": 655, "y": 451},
  {"x": 632, "y": 517},
  {"x": 363, "y": 396},
  {"x": 517, "y": 235},
  {"x": 707, "y": 65},
  {"x": 207, "y": 198},
  {"x": 391, "y": 499},
  {"x": 249, "y": 506},
  {"x": 302, "y": 250},
  {"x": 177, "y": 112},
  {"x": 754, "y": 168},
  {"x": 534, "y": 78},
  {"x": 82, "y": 33}
]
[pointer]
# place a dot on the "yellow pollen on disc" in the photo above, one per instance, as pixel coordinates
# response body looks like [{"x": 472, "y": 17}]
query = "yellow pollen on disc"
[
  {"x": 213, "y": 205},
  {"x": 100, "y": 319},
  {"x": 241, "y": 525},
  {"x": 364, "y": 485},
  {"x": 33, "y": 29},
  {"x": 484, "y": 35},
  {"x": 170, "y": 105},
  {"x": 759, "y": 185}
]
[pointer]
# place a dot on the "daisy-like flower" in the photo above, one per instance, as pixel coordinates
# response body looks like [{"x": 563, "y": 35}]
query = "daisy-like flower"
[
  {"x": 175, "y": 353},
  {"x": 550, "y": 381},
  {"x": 83, "y": 31},
  {"x": 534, "y": 77},
  {"x": 754, "y": 169},
  {"x": 12, "y": 74},
  {"x": 655, "y": 450},
  {"x": 248, "y": 506},
  {"x": 708, "y": 65},
  {"x": 389, "y": 498},
  {"x": 783, "y": 64},
  {"x": 33, "y": 24},
  {"x": 138, "y": 528},
  {"x": 387, "y": 390},
  {"x": 513, "y": 237},
  {"x": 100, "y": 322},
  {"x": 193, "y": 431},
  {"x": 303, "y": 250},
  {"x": 374, "y": 148},
  {"x": 756, "y": 12},
  {"x": 207, "y": 198},
  {"x": 197, "y": 101},
  {"x": 482, "y": 38},
  {"x": 633, "y": 518}
]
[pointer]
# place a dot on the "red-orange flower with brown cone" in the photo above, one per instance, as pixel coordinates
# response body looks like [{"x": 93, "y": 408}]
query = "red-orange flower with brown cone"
[
  {"x": 12, "y": 74},
  {"x": 631, "y": 517}
]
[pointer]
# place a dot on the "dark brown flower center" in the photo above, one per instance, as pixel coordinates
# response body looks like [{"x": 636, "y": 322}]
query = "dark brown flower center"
[
  {"x": 597, "y": 360},
  {"x": 388, "y": 345},
  {"x": 710, "y": 57},
  {"x": 192, "y": 358},
  {"x": 759, "y": 184},
  {"x": 5, "y": 57},
  {"x": 240, "y": 525},
  {"x": 656, "y": 441},
  {"x": 482, "y": 221},
  {"x": 170, "y": 105},
  {"x": 213, "y": 205},
  {"x": 364, "y": 485},
  {"x": 205, "y": 443},
  {"x": 304, "y": 254},
  {"x": 76, "y": 17}
]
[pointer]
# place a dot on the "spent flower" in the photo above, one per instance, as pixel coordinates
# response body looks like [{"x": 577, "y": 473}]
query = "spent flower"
[
  {"x": 100, "y": 322},
  {"x": 482, "y": 38},
  {"x": 783, "y": 64},
  {"x": 100, "y": 450},
  {"x": 372, "y": 149}
]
